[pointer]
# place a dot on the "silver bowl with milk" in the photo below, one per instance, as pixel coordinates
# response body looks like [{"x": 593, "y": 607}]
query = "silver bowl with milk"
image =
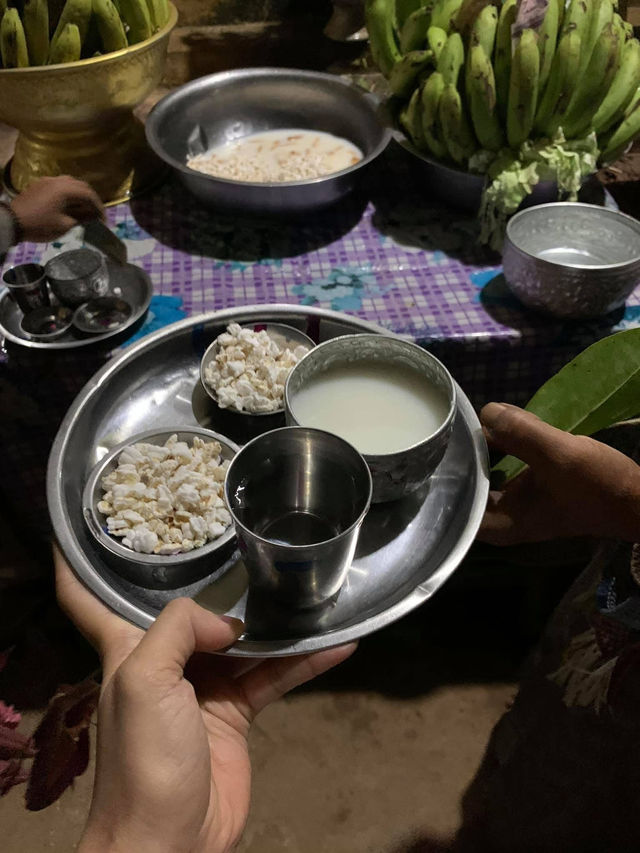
[{"x": 391, "y": 399}]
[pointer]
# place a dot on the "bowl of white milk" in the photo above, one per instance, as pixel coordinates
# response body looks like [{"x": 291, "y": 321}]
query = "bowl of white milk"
[{"x": 389, "y": 398}]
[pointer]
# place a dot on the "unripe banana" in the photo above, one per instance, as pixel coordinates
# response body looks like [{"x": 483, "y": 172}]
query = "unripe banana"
[
  {"x": 622, "y": 90},
  {"x": 626, "y": 132},
  {"x": 157, "y": 14},
  {"x": 110, "y": 26},
  {"x": 3, "y": 8},
  {"x": 413, "y": 33},
  {"x": 135, "y": 14},
  {"x": 76, "y": 12},
  {"x": 35, "y": 18},
  {"x": 13, "y": 44},
  {"x": 523, "y": 88},
  {"x": 380, "y": 18},
  {"x": 577, "y": 17},
  {"x": 436, "y": 39},
  {"x": 481, "y": 97},
  {"x": 483, "y": 30},
  {"x": 451, "y": 59},
  {"x": 455, "y": 129},
  {"x": 443, "y": 13},
  {"x": 560, "y": 85},
  {"x": 411, "y": 119},
  {"x": 67, "y": 47},
  {"x": 404, "y": 75},
  {"x": 431, "y": 94},
  {"x": 594, "y": 84},
  {"x": 502, "y": 57},
  {"x": 547, "y": 37},
  {"x": 601, "y": 16}
]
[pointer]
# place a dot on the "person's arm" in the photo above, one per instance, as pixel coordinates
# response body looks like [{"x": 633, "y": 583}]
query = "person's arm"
[
  {"x": 172, "y": 767},
  {"x": 47, "y": 209},
  {"x": 574, "y": 485}
]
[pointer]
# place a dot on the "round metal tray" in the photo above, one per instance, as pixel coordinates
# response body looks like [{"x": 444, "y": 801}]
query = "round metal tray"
[
  {"x": 406, "y": 551},
  {"x": 127, "y": 282}
]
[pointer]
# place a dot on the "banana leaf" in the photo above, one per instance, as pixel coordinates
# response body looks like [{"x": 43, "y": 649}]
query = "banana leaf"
[{"x": 600, "y": 387}]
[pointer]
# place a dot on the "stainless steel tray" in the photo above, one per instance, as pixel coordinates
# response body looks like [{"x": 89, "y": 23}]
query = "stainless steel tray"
[
  {"x": 407, "y": 549},
  {"x": 126, "y": 281}
]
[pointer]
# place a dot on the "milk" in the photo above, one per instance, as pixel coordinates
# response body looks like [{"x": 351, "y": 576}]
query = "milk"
[{"x": 377, "y": 408}]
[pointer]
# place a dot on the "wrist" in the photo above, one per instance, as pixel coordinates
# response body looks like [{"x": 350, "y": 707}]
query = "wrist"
[
  {"x": 17, "y": 235},
  {"x": 96, "y": 839}
]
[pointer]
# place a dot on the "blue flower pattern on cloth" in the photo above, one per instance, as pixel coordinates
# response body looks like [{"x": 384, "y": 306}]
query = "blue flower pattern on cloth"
[
  {"x": 343, "y": 289},
  {"x": 163, "y": 310}
]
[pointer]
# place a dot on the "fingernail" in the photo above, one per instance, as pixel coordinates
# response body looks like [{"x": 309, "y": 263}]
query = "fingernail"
[
  {"x": 236, "y": 624},
  {"x": 490, "y": 413}
]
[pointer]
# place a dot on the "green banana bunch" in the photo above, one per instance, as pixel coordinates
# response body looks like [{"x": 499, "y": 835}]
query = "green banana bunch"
[
  {"x": 13, "y": 43},
  {"x": 443, "y": 13},
  {"x": 451, "y": 59},
  {"x": 110, "y": 25},
  {"x": 411, "y": 119},
  {"x": 577, "y": 17},
  {"x": 523, "y": 88},
  {"x": 67, "y": 46},
  {"x": 593, "y": 86},
  {"x": 35, "y": 18},
  {"x": 560, "y": 85},
  {"x": 380, "y": 20},
  {"x": 430, "y": 101},
  {"x": 547, "y": 37},
  {"x": 625, "y": 133},
  {"x": 76, "y": 12},
  {"x": 3, "y": 8},
  {"x": 622, "y": 90},
  {"x": 404, "y": 74},
  {"x": 481, "y": 95},
  {"x": 436, "y": 39},
  {"x": 483, "y": 30},
  {"x": 502, "y": 57},
  {"x": 454, "y": 127},
  {"x": 413, "y": 33}
]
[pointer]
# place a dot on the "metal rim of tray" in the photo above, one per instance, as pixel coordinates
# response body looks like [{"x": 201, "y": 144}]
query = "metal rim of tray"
[{"x": 136, "y": 614}]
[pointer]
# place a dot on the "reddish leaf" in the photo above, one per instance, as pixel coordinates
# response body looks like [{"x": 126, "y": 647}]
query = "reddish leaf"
[
  {"x": 62, "y": 742},
  {"x": 11, "y": 773},
  {"x": 14, "y": 745},
  {"x": 9, "y": 717}
]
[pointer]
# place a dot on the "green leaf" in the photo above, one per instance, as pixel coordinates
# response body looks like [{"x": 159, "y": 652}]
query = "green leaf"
[{"x": 600, "y": 387}]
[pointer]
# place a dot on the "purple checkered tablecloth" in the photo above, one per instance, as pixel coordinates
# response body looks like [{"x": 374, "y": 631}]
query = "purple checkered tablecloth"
[{"x": 391, "y": 253}]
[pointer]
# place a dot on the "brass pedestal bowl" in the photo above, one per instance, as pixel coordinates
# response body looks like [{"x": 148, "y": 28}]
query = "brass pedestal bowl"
[{"x": 77, "y": 118}]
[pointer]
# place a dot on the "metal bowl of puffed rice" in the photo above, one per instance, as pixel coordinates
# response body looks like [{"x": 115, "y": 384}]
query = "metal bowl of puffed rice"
[
  {"x": 244, "y": 372},
  {"x": 192, "y": 126},
  {"x": 155, "y": 504}
]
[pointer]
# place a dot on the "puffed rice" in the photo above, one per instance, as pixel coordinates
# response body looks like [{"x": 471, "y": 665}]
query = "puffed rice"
[
  {"x": 250, "y": 370},
  {"x": 166, "y": 499}
]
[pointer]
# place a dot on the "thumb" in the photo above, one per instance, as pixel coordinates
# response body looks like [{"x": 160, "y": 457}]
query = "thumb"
[
  {"x": 522, "y": 434},
  {"x": 182, "y": 629}
]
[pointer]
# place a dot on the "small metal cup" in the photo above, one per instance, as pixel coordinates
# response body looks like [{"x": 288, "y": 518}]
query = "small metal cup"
[
  {"x": 298, "y": 498},
  {"x": 77, "y": 276},
  {"x": 28, "y": 286}
]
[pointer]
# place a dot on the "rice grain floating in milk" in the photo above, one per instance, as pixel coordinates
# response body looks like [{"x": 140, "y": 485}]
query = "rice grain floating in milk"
[
  {"x": 277, "y": 156},
  {"x": 378, "y": 408}
]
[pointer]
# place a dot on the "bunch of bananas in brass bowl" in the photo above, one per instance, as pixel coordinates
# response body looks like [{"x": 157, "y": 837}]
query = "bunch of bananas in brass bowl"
[{"x": 71, "y": 76}]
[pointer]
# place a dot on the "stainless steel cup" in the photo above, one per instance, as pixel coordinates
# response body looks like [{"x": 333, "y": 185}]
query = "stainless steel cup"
[
  {"x": 77, "y": 276},
  {"x": 298, "y": 498},
  {"x": 28, "y": 286}
]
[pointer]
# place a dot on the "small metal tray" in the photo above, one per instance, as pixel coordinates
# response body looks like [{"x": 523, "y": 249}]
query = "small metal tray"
[
  {"x": 406, "y": 551},
  {"x": 126, "y": 282}
]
